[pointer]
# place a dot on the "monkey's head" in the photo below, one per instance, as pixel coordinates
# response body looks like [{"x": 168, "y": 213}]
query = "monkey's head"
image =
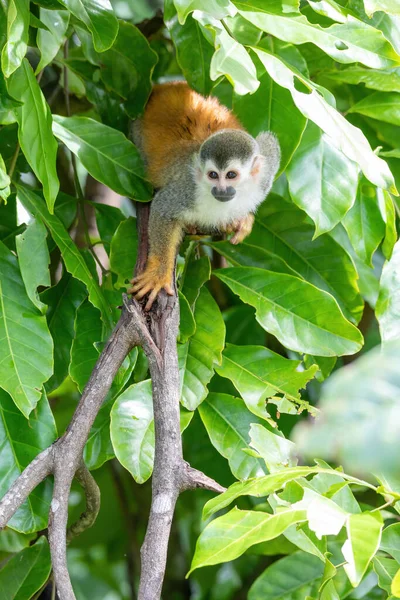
[{"x": 228, "y": 161}]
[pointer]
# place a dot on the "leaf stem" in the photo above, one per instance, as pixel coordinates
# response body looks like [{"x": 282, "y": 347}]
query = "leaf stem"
[{"x": 14, "y": 161}]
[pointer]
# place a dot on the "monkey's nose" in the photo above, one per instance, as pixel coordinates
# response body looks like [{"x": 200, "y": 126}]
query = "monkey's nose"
[{"x": 223, "y": 195}]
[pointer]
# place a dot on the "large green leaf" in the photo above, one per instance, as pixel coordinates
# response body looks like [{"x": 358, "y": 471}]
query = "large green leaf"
[
  {"x": 73, "y": 258},
  {"x": 229, "y": 536},
  {"x": 347, "y": 138},
  {"x": 193, "y": 51},
  {"x": 123, "y": 251},
  {"x": 247, "y": 255},
  {"x": 34, "y": 130},
  {"x": 383, "y": 106},
  {"x": 126, "y": 68},
  {"x": 84, "y": 353},
  {"x": 26, "y": 347},
  {"x": 107, "y": 220},
  {"x": 364, "y": 222},
  {"x": 199, "y": 354},
  {"x": 263, "y": 486},
  {"x": 196, "y": 273},
  {"x": 228, "y": 421},
  {"x": 322, "y": 181},
  {"x": 132, "y": 429},
  {"x": 34, "y": 259},
  {"x": 26, "y": 572},
  {"x": 258, "y": 373},
  {"x": 15, "y": 47},
  {"x": 302, "y": 317},
  {"x": 216, "y": 8},
  {"x": 361, "y": 412},
  {"x": 62, "y": 300},
  {"x": 280, "y": 228},
  {"x": 230, "y": 58},
  {"x": 387, "y": 307},
  {"x": 389, "y": 6},
  {"x": 99, "y": 18},
  {"x": 20, "y": 442},
  {"x": 386, "y": 569},
  {"x": 384, "y": 81},
  {"x": 390, "y": 541},
  {"x": 364, "y": 535},
  {"x": 295, "y": 576},
  {"x": 351, "y": 41},
  {"x": 106, "y": 153},
  {"x": 50, "y": 40},
  {"x": 271, "y": 108}
]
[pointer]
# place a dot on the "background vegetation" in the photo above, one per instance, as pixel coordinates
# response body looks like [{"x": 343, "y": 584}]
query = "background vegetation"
[{"x": 316, "y": 286}]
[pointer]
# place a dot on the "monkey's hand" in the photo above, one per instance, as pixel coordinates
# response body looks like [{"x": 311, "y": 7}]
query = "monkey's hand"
[
  {"x": 153, "y": 279},
  {"x": 241, "y": 229}
]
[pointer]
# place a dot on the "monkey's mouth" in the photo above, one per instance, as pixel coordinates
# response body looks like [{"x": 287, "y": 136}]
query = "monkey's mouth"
[{"x": 224, "y": 195}]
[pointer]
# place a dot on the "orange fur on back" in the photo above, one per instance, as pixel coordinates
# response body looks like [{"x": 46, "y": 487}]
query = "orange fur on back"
[{"x": 176, "y": 121}]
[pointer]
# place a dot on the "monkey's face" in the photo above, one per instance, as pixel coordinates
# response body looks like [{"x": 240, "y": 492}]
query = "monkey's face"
[{"x": 226, "y": 182}]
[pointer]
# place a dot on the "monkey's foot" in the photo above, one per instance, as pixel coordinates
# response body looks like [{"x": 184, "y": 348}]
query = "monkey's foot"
[
  {"x": 241, "y": 229},
  {"x": 151, "y": 280}
]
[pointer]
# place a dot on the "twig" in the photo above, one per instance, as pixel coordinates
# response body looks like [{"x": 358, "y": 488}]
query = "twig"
[{"x": 92, "y": 494}]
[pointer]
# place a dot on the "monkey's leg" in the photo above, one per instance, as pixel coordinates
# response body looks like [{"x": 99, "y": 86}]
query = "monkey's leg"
[
  {"x": 164, "y": 238},
  {"x": 241, "y": 229}
]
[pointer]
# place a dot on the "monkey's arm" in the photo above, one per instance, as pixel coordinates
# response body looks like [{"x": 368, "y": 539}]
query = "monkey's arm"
[{"x": 165, "y": 234}]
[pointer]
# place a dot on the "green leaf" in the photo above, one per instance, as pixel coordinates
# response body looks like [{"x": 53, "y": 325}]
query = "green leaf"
[
  {"x": 99, "y": 18},
  {"x": 358, "y": 400},
  {"x": 62, "y": 300},
  {"x": 303, "y": 318},
  {"x": 34, "y": 260},
  {"x": 395, "y": 587},
  {"x": 229, "y": 536},
  {"x": 132, "y": 429},
  {"x": 26, "y": 572},
  {"x": 278, "y": 114},
  {"x": 193, "y": 51},
  {"x": 277, "y": 452},
  {"x": 34, "y": 130},
  {"x": 364, "y": 223},
  {"x": 228, "y": 422},
  {"x": 126, "y": 68},
  {"x": 364, "y": 535},
  {"x": 258, "y": 373},
  {"x": 230, "y": 58},
  {"x": 216, "y": 8},
  {"x": 389, "y": 6},
  {"x": 123, "y": 252},
  {"x": 387, "y": 306},
  {"x": 21, "y": 441},
  {"x": 199, "y": 354},
  {"x": 196, "y": 274},
  {"x": 322, "y": 181},
  {"x": 107, "y": 219},
  {"x": 384, "y": 81},
  {"x": 263, "y": 486},
  {"x": 74, "y": 260},
  {"x": 390, "y": 541},
  {"x": 251, "y": 256},
  {"x": 26, "y": 348},
  {"x": 84, "y": 353},
  {"x": 49, "y": 41},
  {"x": 386, "y": 205},
  {"x": 16, "y": 45},
  {"x": 347, "y": 138},
  {"x": 106, "y": 153},
  {"x": 98, "y": 448},
  {"x": 294, "y": 576},
  {"x": 383, "y": 106},
  {"x": 351, "y": 41},
  {"x": 187, "y": 324},
  {"x": 4, "y": 181},
  {"x": 280, "y": 228},
  {"x": 386, "y": 569}
]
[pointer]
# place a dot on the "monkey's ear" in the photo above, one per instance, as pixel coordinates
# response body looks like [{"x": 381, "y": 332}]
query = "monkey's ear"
[
  {"x": 258, "y": 164},
  {"x": 269, "y": 147}
]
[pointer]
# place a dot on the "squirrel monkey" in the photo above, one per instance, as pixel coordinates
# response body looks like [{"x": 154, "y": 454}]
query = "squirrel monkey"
[{"x": 209, "y": 174}]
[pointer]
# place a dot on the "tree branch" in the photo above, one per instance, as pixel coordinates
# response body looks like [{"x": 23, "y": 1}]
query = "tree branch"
[{"x": 156, "y": 332}]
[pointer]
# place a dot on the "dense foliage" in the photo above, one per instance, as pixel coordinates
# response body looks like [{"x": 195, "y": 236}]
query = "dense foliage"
[{"x": 263, "y": 324}]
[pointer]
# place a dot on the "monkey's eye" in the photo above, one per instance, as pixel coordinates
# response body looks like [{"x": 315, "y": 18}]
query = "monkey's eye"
[
  {"x": 231, "y": 175},
  {"x": 213, "y": 174}
]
